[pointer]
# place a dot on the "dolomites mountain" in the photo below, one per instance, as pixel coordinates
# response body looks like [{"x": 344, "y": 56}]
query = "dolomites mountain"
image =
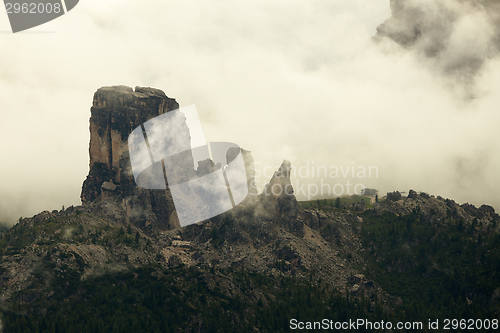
[
  {"x": 264, "y": 229},
  {"x": 115, "y": 112},
  {"x": 120, "y": 262},
  {"x": 109, "y": 189},
  {"x": 110, "y": 186}
]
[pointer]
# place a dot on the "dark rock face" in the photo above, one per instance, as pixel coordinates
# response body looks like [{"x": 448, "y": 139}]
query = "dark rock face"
[
  {"x": 278, "y": 193},
  {"x": 116, "y": 111},
  {"x": 110, "y": 190}
]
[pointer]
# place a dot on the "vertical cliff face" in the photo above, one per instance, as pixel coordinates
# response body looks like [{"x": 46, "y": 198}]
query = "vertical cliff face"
[
  {"x": 115, "y": 112},
  {"x": 110, "y": 189}
]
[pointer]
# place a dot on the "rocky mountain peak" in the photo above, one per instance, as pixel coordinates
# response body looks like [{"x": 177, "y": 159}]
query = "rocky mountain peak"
[
  {"x": 278, "y": 202},
  {"x": 110, "y": 190},
  {"x": 115, "y": 112},
  {"x": 279, "y": 186}
]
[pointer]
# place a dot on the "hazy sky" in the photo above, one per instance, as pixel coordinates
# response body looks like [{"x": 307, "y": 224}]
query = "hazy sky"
[{"x": 295, "y": 80}]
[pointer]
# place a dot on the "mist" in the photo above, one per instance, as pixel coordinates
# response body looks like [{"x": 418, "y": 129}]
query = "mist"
[{"x": 302, "y": 81}]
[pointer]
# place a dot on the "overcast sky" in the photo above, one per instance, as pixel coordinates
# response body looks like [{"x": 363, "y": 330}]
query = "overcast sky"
[{"x": 295, "y": 80}]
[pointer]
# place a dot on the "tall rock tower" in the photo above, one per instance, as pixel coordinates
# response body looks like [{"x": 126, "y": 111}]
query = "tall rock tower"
[
  {"x": 116, "y": 111},
  {"x": 110, "y": 189}
]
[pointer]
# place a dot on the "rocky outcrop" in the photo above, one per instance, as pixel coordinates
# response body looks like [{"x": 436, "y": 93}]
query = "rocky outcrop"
[
  {"x": 412, "y": 194},
  {"x": 277, "y": 201},
  {"x": 435, "y": 210},
  {"x": 394, "y": 196},
  {"x": 115, "y": 112},
  {"x": 110, "y": 189}
]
